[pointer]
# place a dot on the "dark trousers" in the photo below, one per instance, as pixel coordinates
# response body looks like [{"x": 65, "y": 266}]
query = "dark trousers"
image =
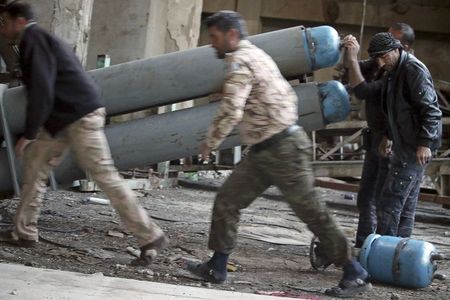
[
  {"x": 374, "y": 172},
  {"x": 397, "y": 204}
]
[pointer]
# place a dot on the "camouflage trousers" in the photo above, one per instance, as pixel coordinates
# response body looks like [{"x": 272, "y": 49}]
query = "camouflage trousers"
[
  {"x": 287, "y": 165},
  {"x": 87, "y": 139}
]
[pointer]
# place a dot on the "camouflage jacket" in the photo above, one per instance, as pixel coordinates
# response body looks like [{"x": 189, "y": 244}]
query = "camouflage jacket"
[{"x": 256, "y": 97}]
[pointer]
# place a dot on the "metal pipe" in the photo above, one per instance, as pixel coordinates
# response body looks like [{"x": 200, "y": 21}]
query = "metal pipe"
[
  {"x": 194, "y": 73},
  {"x": 177, "y": 134}
]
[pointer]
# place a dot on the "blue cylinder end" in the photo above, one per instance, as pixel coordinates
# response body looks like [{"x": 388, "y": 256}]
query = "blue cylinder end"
[
  {"x": 336, "y": 101},
  {"x": 365, "y": 249},
  {"x": 326, "y": 51}
]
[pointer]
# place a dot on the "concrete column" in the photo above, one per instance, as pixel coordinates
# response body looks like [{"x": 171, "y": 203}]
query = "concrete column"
[
  {"x": 183, "y": 30},
  {"x": 72, "y": 22},
  {"x": 182, "y": 19},
  {"x": 173, "y": 25},
  {"x": 144, "y": 29},
  {"x": 69, "y": 20}
]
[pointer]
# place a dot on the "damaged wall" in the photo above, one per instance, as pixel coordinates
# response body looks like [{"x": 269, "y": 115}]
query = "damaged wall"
[
  {"x": 118, "y": 29},
  {"x": 69, "y": 20},
  {"x": 183, "y": 24},
  {"x": 146, "y": 28}
]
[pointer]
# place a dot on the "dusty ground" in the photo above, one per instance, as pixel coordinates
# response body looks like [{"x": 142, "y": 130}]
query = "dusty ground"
[{"x": 81, "y": 230}]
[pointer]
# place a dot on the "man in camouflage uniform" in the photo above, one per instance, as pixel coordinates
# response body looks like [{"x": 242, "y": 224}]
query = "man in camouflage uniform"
[
  {"x": 64, "y": 110},
  {"x": 262, "y": 102}
]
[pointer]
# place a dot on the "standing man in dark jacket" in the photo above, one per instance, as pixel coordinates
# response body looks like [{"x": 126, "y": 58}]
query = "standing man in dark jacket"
[
  {"x": 64, "y": 110},
  {"x": 410, "y": 105},
  {"x": 375, "y": 166}
]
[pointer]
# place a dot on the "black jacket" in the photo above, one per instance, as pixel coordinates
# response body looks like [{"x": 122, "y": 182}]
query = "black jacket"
[
  {"x": 410, "y": 102},
  {"x": 376, "y": 119},
  {"x": 59, "y": 91}
]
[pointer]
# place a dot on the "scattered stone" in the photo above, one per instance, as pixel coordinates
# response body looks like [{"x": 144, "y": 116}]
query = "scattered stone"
[
  {"x": 231, "y": 267},
  {"x": 14, "y": 292},
  {"x": 146, "y": 272},
  {"x": 6, "y": 255},
  {"x": 271, "y": 249},
  {"x": 395, "y": 296},
  {"x": 175, "y": 257},
  {"x": 98, "y": 201},
  {"x": 447, "y": 233},
  {"x": 100, "y": 253},
  {"x": 242, "y": 282},
  {"x": 206, "y": 284},
  {"x": 105, "y": 213},
  {"x": 28, "y": 264},
  {"x": 120, "y": 267},
  {"x": 139, "y": 194},
  {"x": 88, "y": 230},
  {"x": 149, "y": 276},
  {"x": 116, "y": 234},
  {"x": 134, "y": 252}
]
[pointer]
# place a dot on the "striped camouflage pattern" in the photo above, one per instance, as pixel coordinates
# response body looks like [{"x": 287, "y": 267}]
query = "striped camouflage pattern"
[{"x": 255, "y": 96}]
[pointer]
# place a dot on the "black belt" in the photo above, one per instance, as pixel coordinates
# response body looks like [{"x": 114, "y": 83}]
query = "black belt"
[{"x": 275, "y": 138}]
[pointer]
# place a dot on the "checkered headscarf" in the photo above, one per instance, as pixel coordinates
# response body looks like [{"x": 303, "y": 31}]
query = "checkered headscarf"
[{"x": 382, "y": 43}]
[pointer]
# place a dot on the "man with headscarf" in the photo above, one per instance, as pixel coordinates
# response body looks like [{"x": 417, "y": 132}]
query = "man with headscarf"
[
  {"x": 375, "y": 165},
  {"x": 413, "y": 118}
]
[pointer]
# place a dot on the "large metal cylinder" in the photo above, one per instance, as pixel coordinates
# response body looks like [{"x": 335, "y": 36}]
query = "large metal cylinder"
[
  {"x": 401, "y": 261},
  {"x": 178, "y": 134},
  {"x": 194, "y": 73}
]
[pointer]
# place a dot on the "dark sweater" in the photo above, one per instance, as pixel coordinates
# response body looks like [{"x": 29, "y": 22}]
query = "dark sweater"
[{"x": 59, "y": 91}]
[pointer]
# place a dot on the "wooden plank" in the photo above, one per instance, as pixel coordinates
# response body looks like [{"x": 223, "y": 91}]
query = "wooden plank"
[
  {"x": 347, "y": 125},
  {"x": 353, "y": 168},
  {"x": 338, "y": 168},
  {"x": 347, "y": 187},
  {"x": 378, "y": 14},
  {"x": 340, "y": 145}
]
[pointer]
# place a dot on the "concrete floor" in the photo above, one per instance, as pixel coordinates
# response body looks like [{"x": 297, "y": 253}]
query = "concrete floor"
[{"x": 26, "y": 283}]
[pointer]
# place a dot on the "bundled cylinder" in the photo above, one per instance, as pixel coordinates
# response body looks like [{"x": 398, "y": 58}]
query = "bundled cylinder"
[
  {"x": 178, "y": 134},
  {"x": 193, "y": 73}
]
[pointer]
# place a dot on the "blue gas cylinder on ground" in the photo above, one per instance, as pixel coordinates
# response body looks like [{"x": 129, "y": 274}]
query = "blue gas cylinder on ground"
[{"x": 400, "y": 261}]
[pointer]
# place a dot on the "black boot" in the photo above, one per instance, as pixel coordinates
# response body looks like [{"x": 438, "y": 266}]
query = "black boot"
[
  {"x": 354, "y": 281},
  {"x": 214, "y": 270}
]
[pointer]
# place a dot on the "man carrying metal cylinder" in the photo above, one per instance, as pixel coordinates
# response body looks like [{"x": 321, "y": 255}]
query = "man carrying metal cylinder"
[
  {"x": 64, "y": 110},
  {"x": 262, "y": 102}
]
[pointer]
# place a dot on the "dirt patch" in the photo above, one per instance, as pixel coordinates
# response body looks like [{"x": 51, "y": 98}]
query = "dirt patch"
[{"x": 75, "y": 238}]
